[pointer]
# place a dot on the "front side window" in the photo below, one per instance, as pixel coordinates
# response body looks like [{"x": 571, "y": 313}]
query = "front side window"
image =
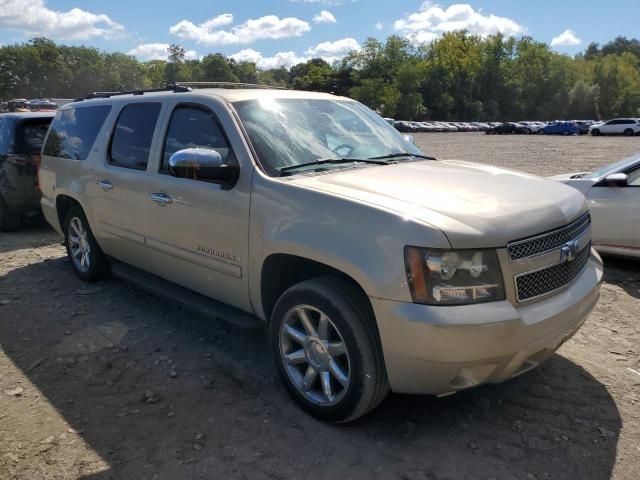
[
  {"x": 194, "y": 127},
  {"x": 633, "y": 179},
  {"x": 132, "y": 135},
  {"x": 74, "y": 130},
  {"x": 288, "y": 132}
]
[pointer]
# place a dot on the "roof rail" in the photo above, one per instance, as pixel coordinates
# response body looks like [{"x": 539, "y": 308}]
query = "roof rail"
[
  {"x": 177, "y": 87},
  {"x": 225, "y": 85},
  {"x": 174, "y": 87}
]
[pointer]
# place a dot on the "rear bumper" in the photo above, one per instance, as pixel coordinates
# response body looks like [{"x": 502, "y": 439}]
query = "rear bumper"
[{"x": 440, "y": 350}]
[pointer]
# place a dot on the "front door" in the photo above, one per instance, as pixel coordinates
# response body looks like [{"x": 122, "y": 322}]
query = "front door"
[
  {"x": 615, "y": 213},
  {"x": 198, "y": 231}
]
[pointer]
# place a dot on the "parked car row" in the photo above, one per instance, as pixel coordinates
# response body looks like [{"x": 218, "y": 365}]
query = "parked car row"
[
  {"x": 413, "y": 127},
  {"x": 616, "y": 126}
]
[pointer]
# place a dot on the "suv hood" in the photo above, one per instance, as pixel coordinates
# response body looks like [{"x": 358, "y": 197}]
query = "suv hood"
[{"x": 474, "y": 205}]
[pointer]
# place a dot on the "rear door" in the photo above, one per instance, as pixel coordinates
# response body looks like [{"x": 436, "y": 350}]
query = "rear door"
[
  {"x": 615, "y": 213},
  {"x": 198, "y": 231},
  {"x": 118, "y": 194}
]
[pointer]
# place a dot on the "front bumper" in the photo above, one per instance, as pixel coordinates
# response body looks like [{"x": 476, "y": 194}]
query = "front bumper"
[{"x": 442, "y": 349}]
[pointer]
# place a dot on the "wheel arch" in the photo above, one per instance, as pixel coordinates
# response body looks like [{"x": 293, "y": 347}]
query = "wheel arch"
[{"x": 281, "y": 271}]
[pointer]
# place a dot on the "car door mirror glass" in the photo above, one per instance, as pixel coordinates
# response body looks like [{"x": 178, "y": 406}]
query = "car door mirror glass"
[
  {"x": 204, "y": 164},
  {"x": 617, "y": 180}
]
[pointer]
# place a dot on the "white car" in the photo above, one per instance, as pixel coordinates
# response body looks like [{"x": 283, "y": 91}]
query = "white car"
[
  {"x": 617, "y": 126},
  {"x": 613, "y": 193},
  {"x": 530, "y": 127}
]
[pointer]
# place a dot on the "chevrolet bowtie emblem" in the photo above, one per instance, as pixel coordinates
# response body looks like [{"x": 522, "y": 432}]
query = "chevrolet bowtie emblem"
[{"x": 569, "y": 251}]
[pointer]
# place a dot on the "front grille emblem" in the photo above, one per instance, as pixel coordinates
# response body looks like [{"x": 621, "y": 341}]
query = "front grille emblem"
[{"x": 569, "y": 251}]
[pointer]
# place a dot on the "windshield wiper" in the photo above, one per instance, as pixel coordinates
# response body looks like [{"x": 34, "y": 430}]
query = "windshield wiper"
[
  {"x": 402, "y": 154},
  {"x": 322, "y": 161}
]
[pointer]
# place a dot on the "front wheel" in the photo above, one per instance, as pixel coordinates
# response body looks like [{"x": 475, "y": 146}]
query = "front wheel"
[
  {"x": 325, "y": 344},
  {"x": 541, "y": 132},
  {"x": 86, "y": 257},
  {"x": 595, "y": 132}
]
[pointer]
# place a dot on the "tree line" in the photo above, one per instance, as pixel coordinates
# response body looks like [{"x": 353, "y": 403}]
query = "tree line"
[{"x": 459, "y": 76}]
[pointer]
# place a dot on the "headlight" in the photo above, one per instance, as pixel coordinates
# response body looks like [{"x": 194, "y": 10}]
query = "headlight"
[{"x": 453, "y": 277}]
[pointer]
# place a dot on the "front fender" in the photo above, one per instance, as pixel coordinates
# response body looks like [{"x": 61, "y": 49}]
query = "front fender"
[{"x": 363, "y": 241}]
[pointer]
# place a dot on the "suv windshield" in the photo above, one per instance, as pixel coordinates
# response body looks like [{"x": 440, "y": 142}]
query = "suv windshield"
[{"x": 286, "y": 132}]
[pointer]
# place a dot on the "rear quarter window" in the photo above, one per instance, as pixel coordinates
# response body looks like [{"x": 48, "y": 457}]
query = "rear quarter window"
[
  {"x": 30, "y": 135},
  {"x": 74, "y": 130}
]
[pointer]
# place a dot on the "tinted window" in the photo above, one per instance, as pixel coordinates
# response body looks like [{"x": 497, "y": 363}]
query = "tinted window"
[
  {"x": 132, "y": 135},
  {"x": 30, "y": 135},
  {"x": 6, "y": 135},
  {"x": 74, "y": 130},
  {"x": 633, "y": 179},
  {"x": 192, "y": 127}
]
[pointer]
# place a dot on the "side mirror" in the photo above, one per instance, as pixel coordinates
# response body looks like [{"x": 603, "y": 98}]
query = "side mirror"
[
  {"x": 617, "y": 180},
  {"x": 202, "y": 164},
  {"x": 410, "y": 139}
]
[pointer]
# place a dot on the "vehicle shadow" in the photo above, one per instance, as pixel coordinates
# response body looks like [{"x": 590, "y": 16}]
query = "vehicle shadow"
[
  {"x": 156, "y": 392},
  {"x": 623, "y": 272},
  {"x": 36, "y": 233}
]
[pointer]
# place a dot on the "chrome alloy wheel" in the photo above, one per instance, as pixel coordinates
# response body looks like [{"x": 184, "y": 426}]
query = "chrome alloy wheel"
[
  {"x": 79, "y": 245},
  {"x": 314, "y": 355}
]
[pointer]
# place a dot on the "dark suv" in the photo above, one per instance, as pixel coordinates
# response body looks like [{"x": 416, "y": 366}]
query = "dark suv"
[{"x": 21, "y": 137}]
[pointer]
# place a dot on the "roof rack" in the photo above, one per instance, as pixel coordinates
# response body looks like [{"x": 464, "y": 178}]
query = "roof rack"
[
  {"x": 167, "y": 88},
  {"x": 225, "y": 85},
  {"x": 177, "y": 87}
]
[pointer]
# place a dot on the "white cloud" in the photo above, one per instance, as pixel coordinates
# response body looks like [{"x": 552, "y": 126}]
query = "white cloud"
[
  {"x": 157, "y": 51},
  {"x": 267, "y": 27},
  {"x": 280, "y": 59},
  {"x": 379, "y": 26},
  {"x": 32, "y": 17},
  {"x": 433, "y": 20},
  {"x": 328, "y": 51},
  {"x": 332, "y": 51},
  {"x": 324, "y": 17},
  {"x": 567, "y": 38}
]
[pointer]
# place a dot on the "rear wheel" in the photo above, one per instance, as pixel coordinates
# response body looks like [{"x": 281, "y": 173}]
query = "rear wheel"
[
  {"x": 83, "y": 251},
  {"x": 628, "y": 132},
  {"x": 9, "y": 221},
  {"x": 326, "y": 348},
  {"x": 541, "y": 132}
]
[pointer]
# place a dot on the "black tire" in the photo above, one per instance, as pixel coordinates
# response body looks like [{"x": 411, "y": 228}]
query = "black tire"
[
  {"x": 97, "y": 267},
  {"x": 541, "y": 132},
  {"x": 628, "y": 132},
  {"x": 595, "y": 132},
  {"x": 351, "y": 314}
]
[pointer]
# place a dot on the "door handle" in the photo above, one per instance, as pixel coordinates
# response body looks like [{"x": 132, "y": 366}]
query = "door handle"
[
  {"x": 160, "y": 198},
  {"x": 105, "y": 184}
]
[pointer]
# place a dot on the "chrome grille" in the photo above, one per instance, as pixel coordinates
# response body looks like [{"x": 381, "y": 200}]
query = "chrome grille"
[
  {"x": 546, "y": 280},
  {"x": 548, "y": 241}
]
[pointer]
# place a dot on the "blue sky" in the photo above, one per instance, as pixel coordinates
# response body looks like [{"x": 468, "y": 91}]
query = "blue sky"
[{"x": 283, "y": 32}]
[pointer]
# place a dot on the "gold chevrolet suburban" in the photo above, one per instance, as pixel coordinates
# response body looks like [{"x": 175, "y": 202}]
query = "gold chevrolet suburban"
[{"x": 375, "y": 266}]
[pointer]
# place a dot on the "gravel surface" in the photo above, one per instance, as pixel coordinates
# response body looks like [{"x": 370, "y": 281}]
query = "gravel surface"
[{"x": 104, "y": 381}]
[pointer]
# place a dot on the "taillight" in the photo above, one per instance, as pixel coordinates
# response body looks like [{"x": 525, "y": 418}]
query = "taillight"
[{"x": 37, "y": 159}]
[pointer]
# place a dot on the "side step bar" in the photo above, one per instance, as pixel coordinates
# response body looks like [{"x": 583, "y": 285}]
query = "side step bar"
[{"x": 193, "y": 301}]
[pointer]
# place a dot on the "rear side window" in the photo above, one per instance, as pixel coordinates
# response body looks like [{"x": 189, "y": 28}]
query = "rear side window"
[
  {"x": 30, "y": 135},
  {"x": 191, "y": 127},
  {"x": 74, "y": 131},
  {"x": 132, "y": 135}
]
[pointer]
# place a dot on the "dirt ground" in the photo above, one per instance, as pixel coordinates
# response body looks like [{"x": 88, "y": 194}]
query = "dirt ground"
[{"x": 105, "y": 381}]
